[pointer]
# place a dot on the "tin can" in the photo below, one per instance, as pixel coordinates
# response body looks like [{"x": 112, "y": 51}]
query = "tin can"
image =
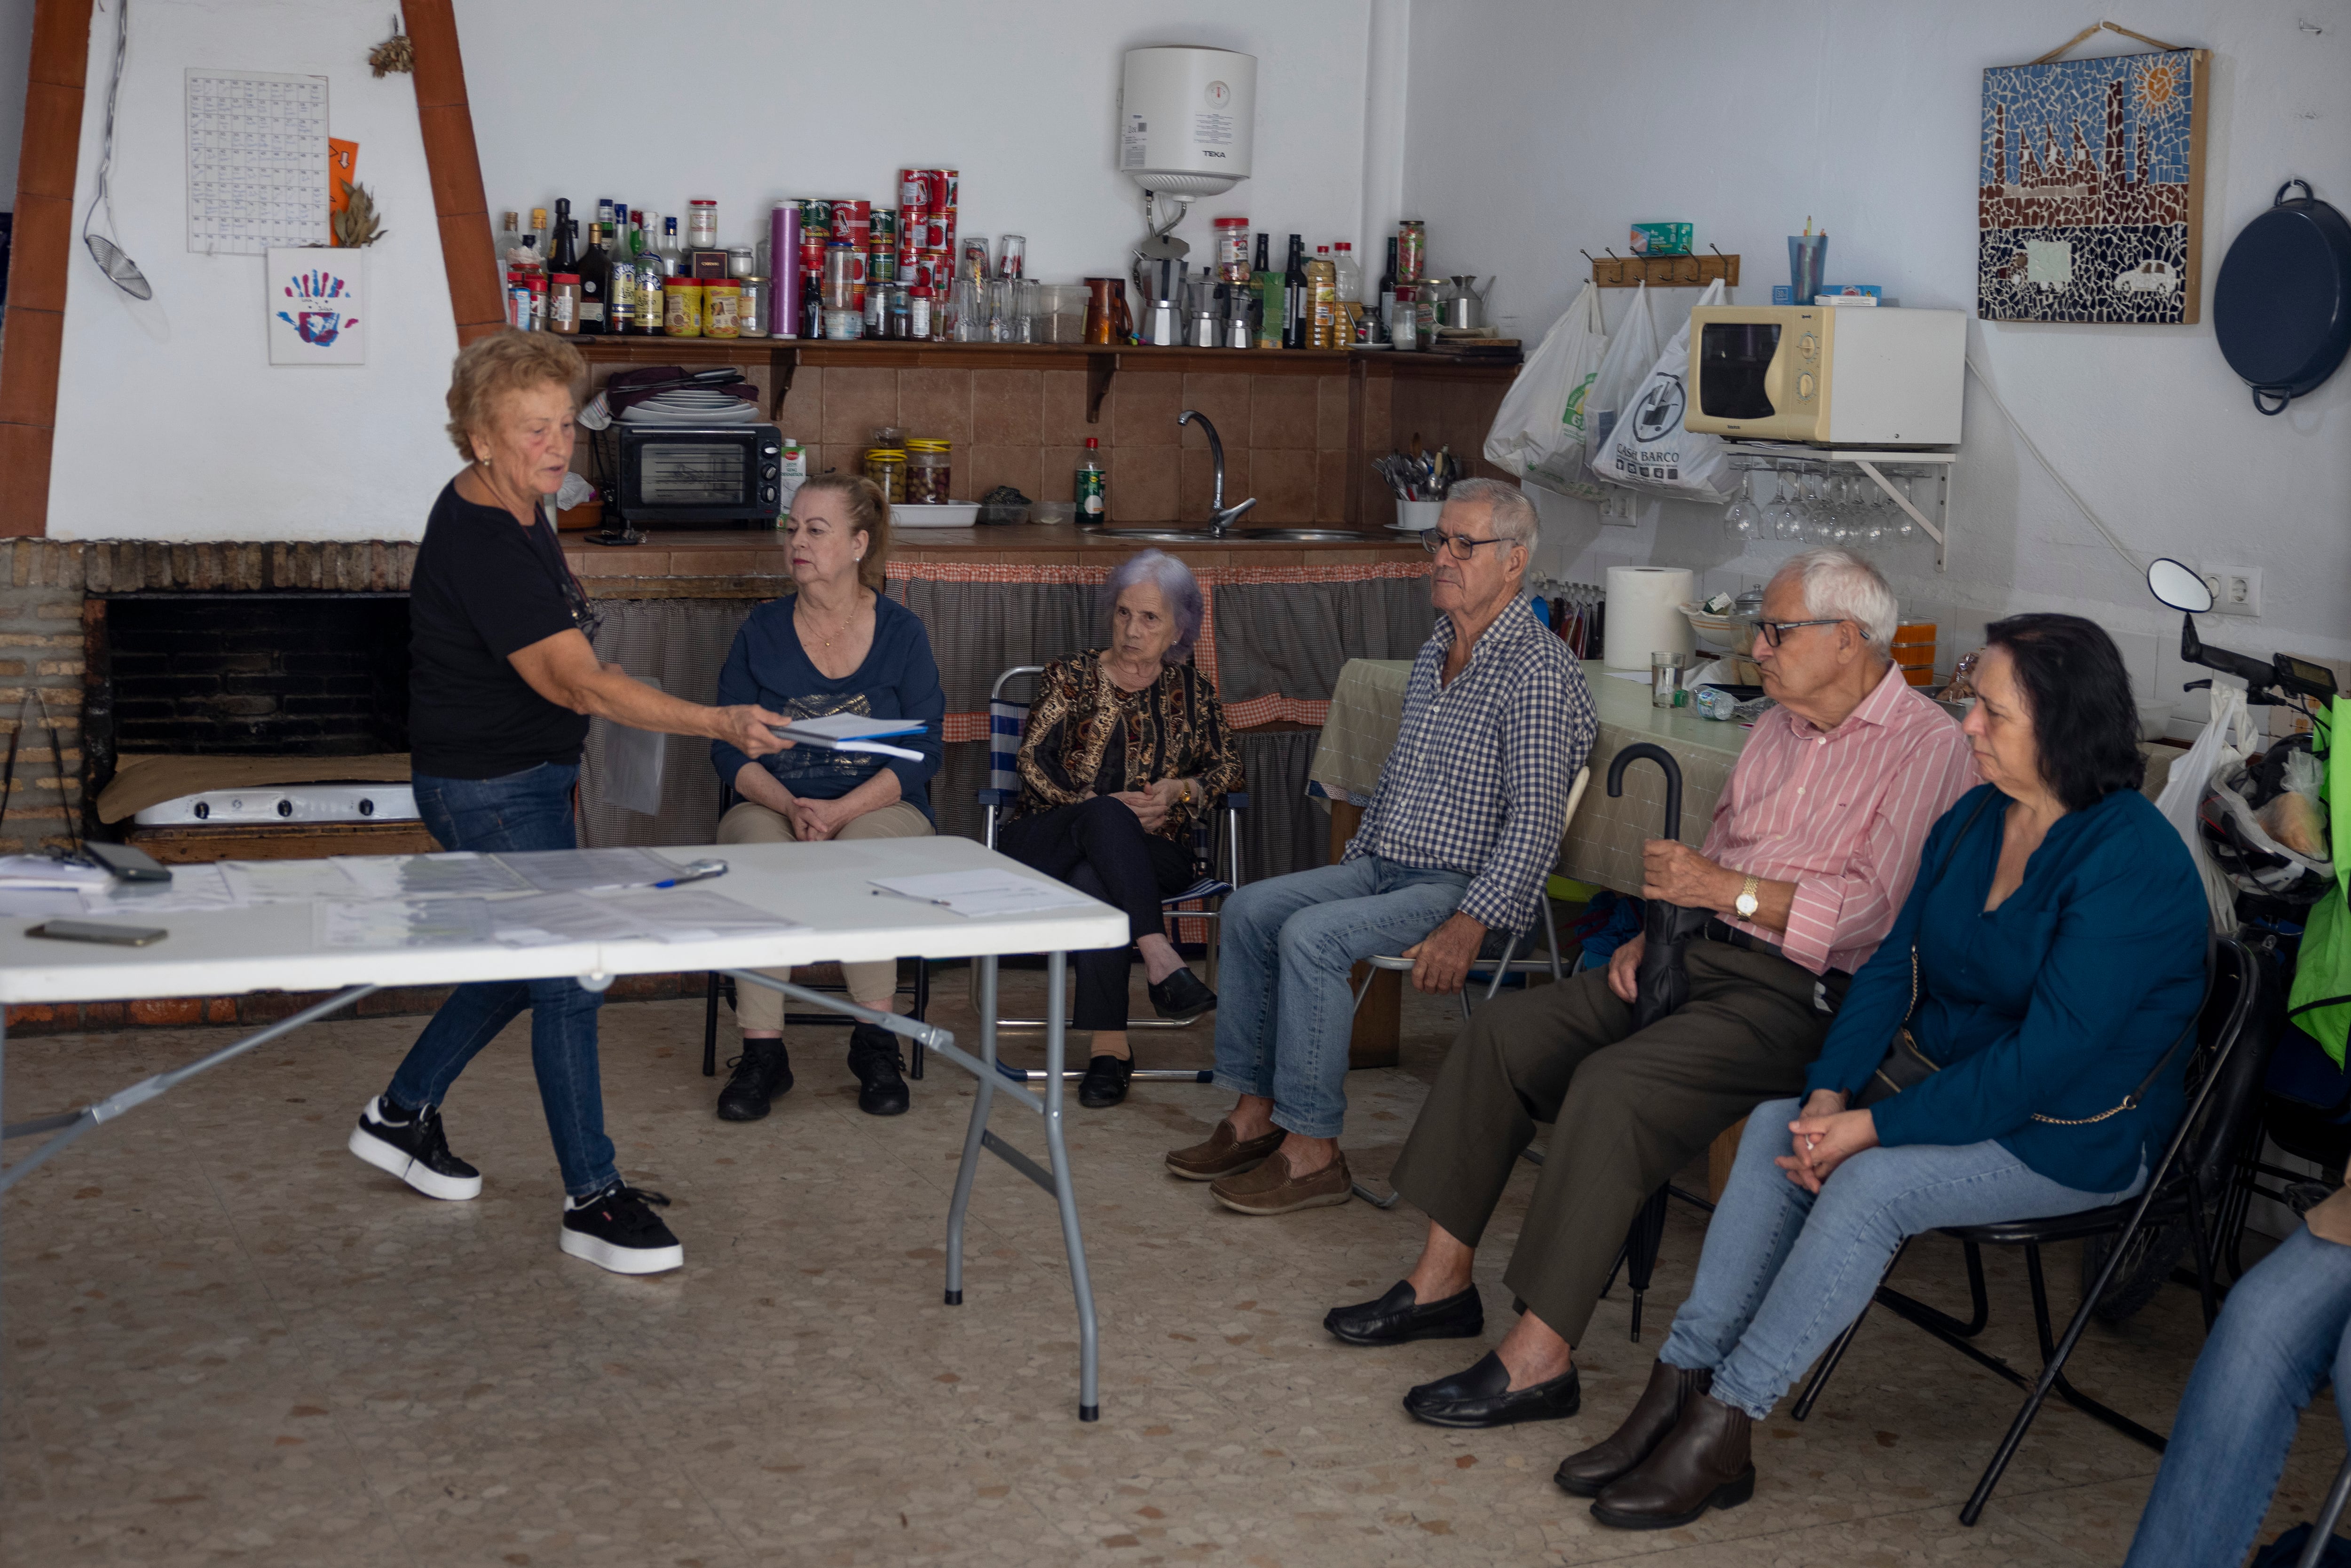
[
  {"x": 853, "y": 221},
  {"x": 682, "y": 298},
  {"x": 914, "y": 188},
  {"x": 816, "y": 217},
  {"x": 752, "y": 318},
  {"x": 882, "y": 266},
  {"x": 950, "y": 188},
  {"x": 881, "y": 230},
  {"x": 722, "y": 307},
  {"x": 1411, "y": 250}
]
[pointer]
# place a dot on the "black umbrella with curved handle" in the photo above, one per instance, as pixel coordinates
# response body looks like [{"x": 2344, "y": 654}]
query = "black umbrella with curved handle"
[{"x": 1662, "y": 983}]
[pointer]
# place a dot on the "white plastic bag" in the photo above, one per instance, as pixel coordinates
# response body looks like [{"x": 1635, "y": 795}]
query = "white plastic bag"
[
  {"x": 1539, "y": 433},
  {"x": 2227, "y": 739},
  {"x": 1648, "y": 446},
  {"x": 1630, "y": 354}
]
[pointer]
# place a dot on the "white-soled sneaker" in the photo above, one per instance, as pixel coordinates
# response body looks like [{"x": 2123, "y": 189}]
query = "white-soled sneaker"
[
  {"x": 416, "y": 1151},
  {"x": 617, "y": 1229}
]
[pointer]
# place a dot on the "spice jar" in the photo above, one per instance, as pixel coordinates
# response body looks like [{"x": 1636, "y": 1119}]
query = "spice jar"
[
  {"x": 918, "y": 312},
  {"x": 1232, "y": 249},
  {"x": 682, "y": 298},
  {"x": 563, "y": 304},
  {"x": 722, "y": 307},
  {"x": 886, "y": 466},
  {"x": 702, "y": 224},
  {"x": 753, "y": 321},
  {"x": 927, "y": 473}
]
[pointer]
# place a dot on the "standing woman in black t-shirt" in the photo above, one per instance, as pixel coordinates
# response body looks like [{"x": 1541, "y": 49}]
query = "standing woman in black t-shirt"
[{"x": 503, "y": 685}]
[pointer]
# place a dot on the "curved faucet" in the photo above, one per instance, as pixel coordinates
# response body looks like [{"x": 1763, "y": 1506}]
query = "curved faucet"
[{"x": 1220, "y": 516}]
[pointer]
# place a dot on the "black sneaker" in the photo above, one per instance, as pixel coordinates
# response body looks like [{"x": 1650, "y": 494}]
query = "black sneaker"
[
  {"x": 615, "y": 1229},
  {"x": 1182, "y": 996},
  {"x": 881, "y": 1071},
  {"x": 415, "y": 1150},
  {"x": 762, "y": 1073}
]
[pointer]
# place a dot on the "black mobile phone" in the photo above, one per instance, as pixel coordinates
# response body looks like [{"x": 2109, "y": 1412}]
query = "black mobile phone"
[
  {"x": 92, "y": 931},
  {"x": 128, "y": 862}
]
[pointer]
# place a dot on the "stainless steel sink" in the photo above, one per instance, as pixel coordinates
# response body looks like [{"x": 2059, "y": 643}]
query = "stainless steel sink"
[{"x": 1239, "y": 536}]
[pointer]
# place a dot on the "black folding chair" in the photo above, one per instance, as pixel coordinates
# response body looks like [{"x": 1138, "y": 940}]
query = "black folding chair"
[
  {"x": 917, "y": 985},
  {"x": 2224, "y": 1075}
]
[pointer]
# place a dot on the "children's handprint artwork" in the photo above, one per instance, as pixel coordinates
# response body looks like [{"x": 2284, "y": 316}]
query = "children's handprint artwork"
[{"x": 315, "y": 307}]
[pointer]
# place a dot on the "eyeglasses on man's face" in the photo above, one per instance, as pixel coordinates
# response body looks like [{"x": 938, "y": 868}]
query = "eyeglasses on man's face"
[
  {"x": 1461, "y": 547},
  {"x": 1774, "y": 632}
]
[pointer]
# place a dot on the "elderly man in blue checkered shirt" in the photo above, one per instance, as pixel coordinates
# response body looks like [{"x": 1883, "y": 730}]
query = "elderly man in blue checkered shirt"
[{"x": 1456, "y": 843}]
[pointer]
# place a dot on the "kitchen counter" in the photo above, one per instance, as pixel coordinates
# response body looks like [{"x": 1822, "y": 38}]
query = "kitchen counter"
[{"x": 731, "y": 563}]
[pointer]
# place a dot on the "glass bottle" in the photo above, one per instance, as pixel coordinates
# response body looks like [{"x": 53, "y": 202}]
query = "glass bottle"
[
  {"x": 673, "y": 254},
  {"x": 595, "y": 283},
  {"x": 1384, "y": 306},
  {"x": 1093, "y": 490},
  {"x": 564, "y": 253},
  {"x": 650, "y": 307},
  {"x": 1294, "y": 322},
  {"x": 1267, "y": 284}
]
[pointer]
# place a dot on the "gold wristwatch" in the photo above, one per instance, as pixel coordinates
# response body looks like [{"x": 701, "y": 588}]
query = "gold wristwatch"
[{"x": 1747, "y": 903}]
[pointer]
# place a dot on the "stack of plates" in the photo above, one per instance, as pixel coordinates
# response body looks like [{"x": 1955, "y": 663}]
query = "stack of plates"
[{"x": 692, "y": 405}]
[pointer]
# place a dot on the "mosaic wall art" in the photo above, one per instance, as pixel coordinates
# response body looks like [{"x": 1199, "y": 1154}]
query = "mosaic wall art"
[{"x": 2092, "y": 190}]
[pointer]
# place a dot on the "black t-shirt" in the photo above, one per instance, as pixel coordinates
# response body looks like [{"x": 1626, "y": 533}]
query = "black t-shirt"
[{"x": 484, "y": 586}]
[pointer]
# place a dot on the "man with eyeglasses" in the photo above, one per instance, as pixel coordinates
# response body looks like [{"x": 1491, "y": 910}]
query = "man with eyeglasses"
[
  {"x": 1814, "y": 843},
  {"x": 1462, "y": 828}
]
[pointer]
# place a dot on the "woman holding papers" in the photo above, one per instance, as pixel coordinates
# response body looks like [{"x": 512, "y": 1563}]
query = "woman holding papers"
[
  {"x": 503, "y": 682},
  {"x": 1123, "y": 751},
  {"x": 838, "y": 647}
]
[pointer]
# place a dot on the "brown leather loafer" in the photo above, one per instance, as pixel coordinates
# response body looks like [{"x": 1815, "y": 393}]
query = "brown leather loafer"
[
  {"x": 1269, "y": 1189},
  {"x": 1223, "y": 1154},
  {"x": 1702, "y": 1464},
  {"x": 1670, "y": 1390}
]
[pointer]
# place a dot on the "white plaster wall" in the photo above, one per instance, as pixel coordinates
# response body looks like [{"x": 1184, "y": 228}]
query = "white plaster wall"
[
  {"x": 1538, "y": 128},
  {"x": 831, "y": 100},
  {"x": 15, "y": 60},
  {"x": 171, "y": 424}
]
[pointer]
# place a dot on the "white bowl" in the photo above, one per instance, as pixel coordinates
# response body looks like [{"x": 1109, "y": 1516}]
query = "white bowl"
[{"x": 943, "y": 515}]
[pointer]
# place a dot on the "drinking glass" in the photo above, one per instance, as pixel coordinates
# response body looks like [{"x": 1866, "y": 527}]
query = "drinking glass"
[
  {"x": 1738, "y": 517},
  {"x": 1903, "y": 528}
]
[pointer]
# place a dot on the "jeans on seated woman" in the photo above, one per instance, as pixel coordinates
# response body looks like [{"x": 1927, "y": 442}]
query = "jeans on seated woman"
[
  {"x": 1124, "y": 750},
  {"x": 2047, "y": 965},
  {"x": 2286, "y": 1329}
]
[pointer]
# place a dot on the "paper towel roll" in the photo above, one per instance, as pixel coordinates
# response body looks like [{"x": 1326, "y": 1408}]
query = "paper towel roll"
[{"x": 1644, "y": 614}]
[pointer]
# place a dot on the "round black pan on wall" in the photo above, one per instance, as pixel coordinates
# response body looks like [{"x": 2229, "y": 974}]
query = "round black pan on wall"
[{"x": 2281, "y": 306}]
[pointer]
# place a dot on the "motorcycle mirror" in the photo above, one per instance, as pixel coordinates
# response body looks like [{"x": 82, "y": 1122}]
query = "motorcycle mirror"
[{"x": 2178, "y": 587}]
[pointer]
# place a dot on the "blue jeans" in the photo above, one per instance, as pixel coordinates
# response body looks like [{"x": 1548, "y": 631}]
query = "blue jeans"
[
  {"x": 1784, "y": 1272},
  {"x": 527, "y": 811},
  {"x": 1281, "y": 975},
  {"x": 2286, "y": 1329}
]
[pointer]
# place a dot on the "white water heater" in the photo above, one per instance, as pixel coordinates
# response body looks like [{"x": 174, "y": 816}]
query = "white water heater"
[{"x": 1186, "y": 119}]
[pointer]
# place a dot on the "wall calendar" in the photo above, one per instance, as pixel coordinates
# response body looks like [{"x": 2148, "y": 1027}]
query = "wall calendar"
[{"x": 257, "y": 167}]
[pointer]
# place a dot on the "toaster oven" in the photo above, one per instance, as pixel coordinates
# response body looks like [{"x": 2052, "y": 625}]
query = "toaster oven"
[
  {"x": 715, "y": 476},
  {"x": 1831, "y": 374}
]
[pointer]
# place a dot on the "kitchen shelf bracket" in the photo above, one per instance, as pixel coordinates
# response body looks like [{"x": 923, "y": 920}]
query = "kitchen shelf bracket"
[{"x": 1100, "y": 369}]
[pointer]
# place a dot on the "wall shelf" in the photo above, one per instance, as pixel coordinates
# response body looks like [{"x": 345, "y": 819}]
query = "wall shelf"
[{"x": 1872, "y": 461}]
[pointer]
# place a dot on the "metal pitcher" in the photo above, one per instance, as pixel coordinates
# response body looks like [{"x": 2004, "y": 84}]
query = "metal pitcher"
[{"x": 1467, "y": 306}]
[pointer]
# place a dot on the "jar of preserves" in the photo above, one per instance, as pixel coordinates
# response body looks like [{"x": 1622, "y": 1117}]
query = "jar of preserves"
[
  {"x": 682, "y": 302},
  {"x": 886, "y": 466},
  {"x": 722, "y": 307},
  {"x": 702, "y": 224},
  {"x": 929, "y": 472}
]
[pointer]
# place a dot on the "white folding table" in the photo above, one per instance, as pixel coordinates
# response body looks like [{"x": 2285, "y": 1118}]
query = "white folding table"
[{"x": 824, "y": 887}]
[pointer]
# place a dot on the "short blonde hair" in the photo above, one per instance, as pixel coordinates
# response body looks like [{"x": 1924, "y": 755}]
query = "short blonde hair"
[
  {"x": 869, "y": 514},
  {"x": 489, "y": 369}
]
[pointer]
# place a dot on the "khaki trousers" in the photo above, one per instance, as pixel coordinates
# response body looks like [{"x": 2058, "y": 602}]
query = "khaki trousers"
[
  {"x": 1628, "y": 1109},
  {"x": 757, "y": 1008}
]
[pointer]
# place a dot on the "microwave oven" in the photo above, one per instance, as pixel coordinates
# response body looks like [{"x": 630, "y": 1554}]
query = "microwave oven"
[
  {"x": 703, "y": 476},
  {"x": 1828, "y": 374}
]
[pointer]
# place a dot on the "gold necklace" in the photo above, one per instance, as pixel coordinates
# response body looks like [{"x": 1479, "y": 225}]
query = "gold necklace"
[{"x": 828, "y": 641}]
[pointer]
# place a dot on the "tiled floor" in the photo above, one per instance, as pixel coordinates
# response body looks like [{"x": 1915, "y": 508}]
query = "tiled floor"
[{"x": 228, "y": 1341}]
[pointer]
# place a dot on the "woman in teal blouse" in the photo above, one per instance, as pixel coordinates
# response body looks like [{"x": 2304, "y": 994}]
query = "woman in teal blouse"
[{"x": 2050, "y": 956}]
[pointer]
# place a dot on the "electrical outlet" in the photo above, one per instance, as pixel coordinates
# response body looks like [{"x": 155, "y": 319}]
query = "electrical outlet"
[{"x": 2236, "y": 589}]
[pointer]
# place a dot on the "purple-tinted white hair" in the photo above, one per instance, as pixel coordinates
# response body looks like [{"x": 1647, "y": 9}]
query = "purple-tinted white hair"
[{"x": 1175, "y": 584}]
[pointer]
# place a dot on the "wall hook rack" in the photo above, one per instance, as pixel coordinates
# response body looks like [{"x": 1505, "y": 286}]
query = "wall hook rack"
[{"x": 1663, "y": 271}]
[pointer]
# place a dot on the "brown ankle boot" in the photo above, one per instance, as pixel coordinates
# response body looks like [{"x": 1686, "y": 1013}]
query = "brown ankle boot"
[
  {"x": 1702, "y": 1464},
  {"x": 1670, "y": 1389}
]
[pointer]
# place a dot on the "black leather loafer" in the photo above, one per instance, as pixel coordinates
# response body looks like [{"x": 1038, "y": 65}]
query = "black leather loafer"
[
  {"x": 1481, "y": 1397},
  {"x": 1398, "y": 1317},
  {"x": 1104, "y": 1084},
  {"x": 880, "y": 1070},
  {"x": 1182, "y": 996}
]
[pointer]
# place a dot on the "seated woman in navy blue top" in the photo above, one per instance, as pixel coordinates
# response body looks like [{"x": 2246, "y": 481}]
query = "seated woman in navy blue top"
[
  {"x": 2049, "y": 959},
  {"x": 838, "y": 644}
]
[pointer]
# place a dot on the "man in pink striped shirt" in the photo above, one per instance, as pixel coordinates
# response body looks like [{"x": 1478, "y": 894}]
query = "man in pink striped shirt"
[{"x": 1813, "y": 847}]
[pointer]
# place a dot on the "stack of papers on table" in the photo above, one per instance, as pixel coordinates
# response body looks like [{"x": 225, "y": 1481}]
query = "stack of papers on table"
[
  {"x": 28, "y": 872},
  {"x": 984, "y": 893}
]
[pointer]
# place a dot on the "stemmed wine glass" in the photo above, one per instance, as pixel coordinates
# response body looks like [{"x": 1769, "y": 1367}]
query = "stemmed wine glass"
[
  {"x": 1738, "y": 517},
  {"x": 1903, "y": 527}
]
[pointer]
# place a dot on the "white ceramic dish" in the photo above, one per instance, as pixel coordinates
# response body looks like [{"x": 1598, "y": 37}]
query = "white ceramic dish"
[{"x": 944, "y": 515}]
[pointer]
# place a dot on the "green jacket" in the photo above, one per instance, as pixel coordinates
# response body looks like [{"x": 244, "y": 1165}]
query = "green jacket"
[{"x": 2321, "y": 1000}]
